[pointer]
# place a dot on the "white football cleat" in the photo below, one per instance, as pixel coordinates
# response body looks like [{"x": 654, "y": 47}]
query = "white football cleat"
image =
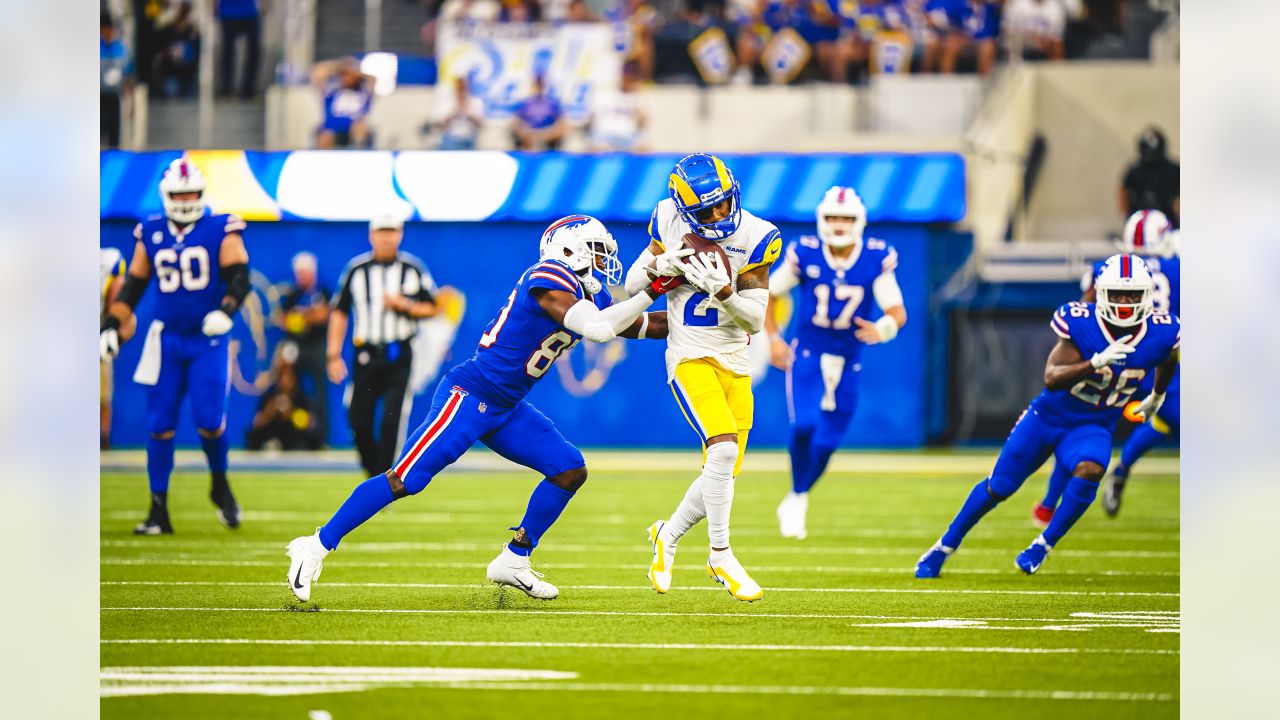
[
  {"x": 791, "y": 515},
  {"x": 514, "y": 570},
  {"x": 306, "y": 560},
  {"x": 664, "y": 558},
  {"x": 725, "y": 569}
]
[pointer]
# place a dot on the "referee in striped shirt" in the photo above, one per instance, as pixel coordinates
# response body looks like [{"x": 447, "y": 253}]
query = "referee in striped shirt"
[{"x": 382, "y": 295}]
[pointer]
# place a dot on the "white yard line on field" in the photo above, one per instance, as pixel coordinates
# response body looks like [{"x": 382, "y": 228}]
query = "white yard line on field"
[
  {"x": 913, "y": 550},
  {"x": 717, "y": 588},
  {"x": 853, "y": 462},
  {"x": 645, "y": 646},
  {"x": 554, "y": 566},
  {"x": 1154, "y": 616}
]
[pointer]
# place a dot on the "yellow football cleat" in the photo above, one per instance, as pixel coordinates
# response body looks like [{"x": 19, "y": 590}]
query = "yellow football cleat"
[
  {"x": 663, "y": 559},
  {"x": 727, "y": 571}
]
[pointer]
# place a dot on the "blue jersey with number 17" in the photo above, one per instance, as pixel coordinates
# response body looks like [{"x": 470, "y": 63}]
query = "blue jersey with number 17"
[
  {"x": 520, "y": 345},
  {"x": 833, "y": 292},
  {"x": 1100, "y": 397},
  {"x": 184, "y": 263}
]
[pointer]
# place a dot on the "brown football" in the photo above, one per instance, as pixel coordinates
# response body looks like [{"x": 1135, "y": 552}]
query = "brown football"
[{"x": 701, "y": 245}]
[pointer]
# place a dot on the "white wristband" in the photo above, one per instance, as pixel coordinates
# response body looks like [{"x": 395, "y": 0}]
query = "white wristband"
[
  {"x": 644, "y": 325},
  {"x": 887, "y": 327}
]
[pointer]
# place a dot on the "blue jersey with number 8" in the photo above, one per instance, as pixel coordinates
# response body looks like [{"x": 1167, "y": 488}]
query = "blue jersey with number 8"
[
  {"x": 185, "y": 268},
  {"x": 522, "y": 342},
  {"x": 1100, "y": 397}
]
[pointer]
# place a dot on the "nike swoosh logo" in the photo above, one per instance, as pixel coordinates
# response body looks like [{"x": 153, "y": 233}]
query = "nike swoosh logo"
[
  {"x": 297, "y": 578},
  {"x": 521, "y": 583}
]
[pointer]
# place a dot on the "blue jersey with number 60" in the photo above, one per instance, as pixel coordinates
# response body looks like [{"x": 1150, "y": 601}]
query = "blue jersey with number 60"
[
  {"x": 184, "y": 264},
  {"x": 832, "y": 293},
  {"x": 1100, "y": 398},
  {"x": 520, "y": 345}
]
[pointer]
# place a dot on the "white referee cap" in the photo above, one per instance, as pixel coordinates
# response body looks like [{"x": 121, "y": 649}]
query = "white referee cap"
[{"x": 387, "y": 221}]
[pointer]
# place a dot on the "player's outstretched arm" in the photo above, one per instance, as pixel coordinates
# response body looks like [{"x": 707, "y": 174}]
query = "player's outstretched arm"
[
  {"x": 650, "y": 326},
  {"x": 589, "y": 321},
  {"x": 118, "y": 322},
  {"x": 1066, "y": 365}
]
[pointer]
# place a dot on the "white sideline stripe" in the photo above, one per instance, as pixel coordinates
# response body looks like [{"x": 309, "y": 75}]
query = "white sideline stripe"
[
  {"x": 646, "y": 646},
  {"x": 1135, "y": 615},
  {"x": 839, "y": 569},
  {"x": 912, "y": 550},
  {"x": 277, "y": 681},
  {"x": 717, "y": 588},
  {"x": 812, "y": 690}
]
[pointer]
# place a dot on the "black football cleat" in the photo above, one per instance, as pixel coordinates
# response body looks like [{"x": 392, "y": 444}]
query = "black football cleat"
[
  {"x": 228, "y": 509},
  {"x": 157, "y": 522}
]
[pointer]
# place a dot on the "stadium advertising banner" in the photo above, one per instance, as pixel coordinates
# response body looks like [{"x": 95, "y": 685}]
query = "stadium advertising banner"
[
  {"x": 499, "y": 62},
  {"x": 488, "y": 185}
]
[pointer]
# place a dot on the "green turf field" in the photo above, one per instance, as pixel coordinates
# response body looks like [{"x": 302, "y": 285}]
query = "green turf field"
[{"x": 202, "y": 625}]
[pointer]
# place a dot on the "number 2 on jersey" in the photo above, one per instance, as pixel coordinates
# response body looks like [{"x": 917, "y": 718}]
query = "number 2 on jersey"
[{"x": 699, "y": 313}]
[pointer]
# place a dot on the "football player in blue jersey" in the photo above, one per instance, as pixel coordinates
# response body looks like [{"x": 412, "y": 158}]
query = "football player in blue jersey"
[
  {"x": 556, "y": 302},
  {"x": 1148, "y": 234},
  {"x": 1104, "y": 351},
  {"x": 838, "y": 274},
  {"x": 202, "y": 274}
]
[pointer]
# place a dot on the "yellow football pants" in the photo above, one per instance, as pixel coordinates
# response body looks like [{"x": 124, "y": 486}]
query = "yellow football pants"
[{"x": 715, "y": 402}]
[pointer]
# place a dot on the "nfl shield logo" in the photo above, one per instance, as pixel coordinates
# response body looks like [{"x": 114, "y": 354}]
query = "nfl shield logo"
[{"x": 483, "y": 407}]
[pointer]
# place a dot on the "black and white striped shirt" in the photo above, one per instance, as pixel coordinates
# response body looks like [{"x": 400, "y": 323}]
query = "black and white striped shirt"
[{"x": 364, "y": 284}]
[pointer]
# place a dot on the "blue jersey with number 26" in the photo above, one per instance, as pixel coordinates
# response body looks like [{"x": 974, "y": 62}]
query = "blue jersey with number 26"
[
  {"x": 520, "y": 345},
  {"x": 185, "y": 267},
  {"x": 1100, "y": 398}
]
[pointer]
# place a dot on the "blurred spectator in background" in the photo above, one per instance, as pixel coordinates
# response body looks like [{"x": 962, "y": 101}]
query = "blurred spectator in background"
[
  {"x": 179, "y": 56},
  {"x": 115, "y": 80},
  {"x": 470, "y": 11},
  {"x": 1034, "y": 29},
  {"x": 579, "y": 12},
  {"x": 671, "y": 43},
  {"x": 976, "y": 37},
  {"x": 539, "y": 122},
  {"x": 460, "y": 125},
  {"x": 347, "y": 97},
  {"x": 1106, "y": 16},
  {"x": 1153, "y": 181},
  {"x": 617, "y": 125},
  {"x": 304, "y": 317},
  {"x": 239, "y": 19},
  {"x": 285, "y": 419},
  {"x": 520, "y": 11},
  {"x": 636, "y": 21},
  {"x": 884, "y": 40}
]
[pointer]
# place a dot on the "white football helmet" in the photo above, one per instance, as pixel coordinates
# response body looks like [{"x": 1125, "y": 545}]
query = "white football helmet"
[
  {"x": 1147, "y": 233},
  {"x": 1124, "y": 273},
  {"x": 182, "y": 176},
  {"x": 578, "y": 240},
  {"x": 841, "y": 202}
]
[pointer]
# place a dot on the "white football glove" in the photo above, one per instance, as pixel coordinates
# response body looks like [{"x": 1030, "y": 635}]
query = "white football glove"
[
  {"x": 668, "y": 264},
  {"x": 1113, "y": 352},
  {"x": 216, "y": 323},
  {"x": 1149, "y": 406},
  {"x": 108, "y": 344},
  {"x": 706, "y": 273}
]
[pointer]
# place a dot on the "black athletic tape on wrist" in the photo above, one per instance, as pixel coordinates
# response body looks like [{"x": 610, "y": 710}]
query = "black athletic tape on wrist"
[
  {"x": 237, "y": 280},
  {"x": 109, "y": 322},
  {"x": 131, "y": 291}
]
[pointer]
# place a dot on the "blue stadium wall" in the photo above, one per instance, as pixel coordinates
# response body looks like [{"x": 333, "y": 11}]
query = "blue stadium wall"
[{"x": 633, "y": 408}]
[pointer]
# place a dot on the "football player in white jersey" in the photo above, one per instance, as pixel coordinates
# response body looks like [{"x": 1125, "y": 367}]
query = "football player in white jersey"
[
  {"x": 111, "y": 278},
  {"x": 719, "y": 303}
]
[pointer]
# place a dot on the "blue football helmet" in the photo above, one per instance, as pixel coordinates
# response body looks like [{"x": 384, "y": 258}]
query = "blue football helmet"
[{"x": 698, "y": 183}]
